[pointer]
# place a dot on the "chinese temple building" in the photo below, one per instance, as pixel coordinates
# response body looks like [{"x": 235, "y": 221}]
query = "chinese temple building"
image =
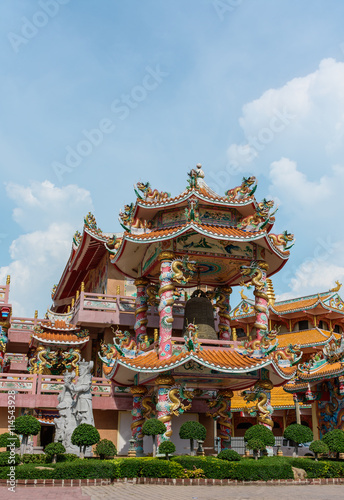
[{"x": 151, "y": 308}]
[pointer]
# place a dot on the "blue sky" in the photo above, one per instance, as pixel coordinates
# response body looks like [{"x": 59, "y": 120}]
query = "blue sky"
[{"x": 243, "y": 87}]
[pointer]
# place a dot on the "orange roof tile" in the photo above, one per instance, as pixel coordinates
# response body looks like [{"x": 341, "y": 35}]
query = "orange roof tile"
[
  {"x": 304, "y": 338},
  {"x": 221, "y": 358},
  {"x": 208, "y": 228},
  {"x": 298, "y": 304},
  {"x": 58, "y": 337},
  {"x": 279, "y": 399},
  {"x": 324, "y": 370}
]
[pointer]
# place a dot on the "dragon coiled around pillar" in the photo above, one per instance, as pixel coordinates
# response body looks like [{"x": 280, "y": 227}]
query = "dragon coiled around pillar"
[
  {"x": 142, "y": 308},
  {"x": 255, "y": 271},
  {"x": 148, "y": 406},
  {"x": 152, "y": 292},
  {"x": 222, "y": 302},
  {"x": 175, "y": 395},
  {"x": 245, "y": 190},
  {"x": 263, "y": 409},
  {"x": 182, "y": 270},
  {"x": 221, "y": 405},
  {"x": 42, "y": 360},
  {"x": 149, "y": 194}
]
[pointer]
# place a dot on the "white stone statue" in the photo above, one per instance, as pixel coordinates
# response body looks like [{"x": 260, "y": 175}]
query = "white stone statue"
[{"x": 75, "y": 406}]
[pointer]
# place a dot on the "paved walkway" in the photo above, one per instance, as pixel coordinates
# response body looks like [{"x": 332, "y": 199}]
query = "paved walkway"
[{"x": 122, "y": 491}]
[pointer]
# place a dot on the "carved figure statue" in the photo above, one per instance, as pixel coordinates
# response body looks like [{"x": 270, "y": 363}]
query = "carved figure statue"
[
  {"x": 83, "y": 394},
  {"x": 149, "y": 194},
  {"x": 282, "y": 241},
  {"x": 247, "y": 189}
]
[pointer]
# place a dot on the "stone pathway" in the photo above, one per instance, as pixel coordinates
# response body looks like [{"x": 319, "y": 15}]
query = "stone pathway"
[{"x": 129, "y": 491}]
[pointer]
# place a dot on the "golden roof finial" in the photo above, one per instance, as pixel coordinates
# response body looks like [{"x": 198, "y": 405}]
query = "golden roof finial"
[
  {"x": 36, "y": 313},
  {"x": 336, "y": 288},
  {"x": 270, "y": 292},
  {"x": 8, "y": 279},
  {"x": 82, "y": 286},
  {"x": 243, "y": 296}
]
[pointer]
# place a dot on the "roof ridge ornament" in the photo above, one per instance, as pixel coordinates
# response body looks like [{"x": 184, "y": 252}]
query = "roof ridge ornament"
[
  {"x": 337, "y": 287},
  {"x": 245, "y": 190}
]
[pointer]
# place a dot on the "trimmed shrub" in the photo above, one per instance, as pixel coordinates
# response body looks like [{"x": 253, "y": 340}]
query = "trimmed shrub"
[
  {"x": 230, "y": 455},
  {"x": 27, "y": 425},
  {"x": 7, "y": 440},
  {"x": 260, "y": 432},
  {"x": 67, "y": 457},
  {"x": 167, "y": 447},
  {"x": 85, "y": 435},
  {"x": 87, "y": 469},
  {"x": 322, "y": 468},
  {"x": 299, "y": 434},
  {"x": 54, "y": 449},
  {"x": 261, "y": 470},
  {"x": 335, "y": 441},
  {"x": 105, "y": 448},
  {"x": 9, "y": 458},
  {"x": 213, "y": 468},
  {"x": 129, "y": 467},
  {"x": 30, "y": 458},
  {"x": 317, "y": 447},
  {"x": 153, "y": 427},
  {"x": 192, "y": 430},
  {"x": 161, "y": 468}
]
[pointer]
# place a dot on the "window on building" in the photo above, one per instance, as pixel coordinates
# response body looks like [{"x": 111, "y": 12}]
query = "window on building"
[
  {"x": 303, "y": 325},
  {"x": 337, "y": 329},
  {"x": 244, "y": 425},
  {"x": 241, "y": 332}
]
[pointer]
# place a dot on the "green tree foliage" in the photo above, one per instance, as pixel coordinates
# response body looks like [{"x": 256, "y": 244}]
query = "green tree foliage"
[
  {"x": 260, "y": 432},
  {"x": 256, "y": 445},
  {"x": 105, "y": 448},
  {"x": 85, "y": 435},
  {"x": 299, "y": 434},
  {"x": 167, "y": 447},
  {"x": 153, "y": 427},
  {"x": 335, "y": 441},
  {"x": 54, "y": 449},
  {"x": 318, "y": 447},
  {"x": 192, "y": 430},
  {"x": 6, "y": 440},
  {"x": 27, "y": 425}
]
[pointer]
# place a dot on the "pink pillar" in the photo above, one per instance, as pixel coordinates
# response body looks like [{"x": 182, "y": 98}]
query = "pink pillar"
[
  {"x": 138, "y": 391},
  {"x": 261, "y": 300},
  {"x": 163, "y": 407},
  {"x": 141, "y": 308},
  {"x": 166, "y": 305},
  {"x": 224, "y": 310}
]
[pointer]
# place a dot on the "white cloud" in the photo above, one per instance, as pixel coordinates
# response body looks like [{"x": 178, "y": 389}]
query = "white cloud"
[
  {"x": 304, "y": 118},
  {"x": 38, "y": 257}
]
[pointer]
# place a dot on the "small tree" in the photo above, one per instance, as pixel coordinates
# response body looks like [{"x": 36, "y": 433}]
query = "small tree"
[
  {"x": 7, "y": 441},
  {"x": 192, "y": 430},
  {"x": 318, "y": 447},
  {"x": 27, "y": 425},
  {"x": 85, "y": 435},
  {"x": 153, "y": 427},
  {"x": 256, "y": 445},
  {"x": 335, "y": 441},
  {"x": 299, "y": 434},
  {"x": 167, "y": 447},
  {"x": 105, "y": 448},
  {"x": 261, "y": 433},
  {"x": 54, "y": 449}
]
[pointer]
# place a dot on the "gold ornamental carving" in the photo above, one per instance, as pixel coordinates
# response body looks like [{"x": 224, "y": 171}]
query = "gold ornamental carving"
[
  {"x": 167, "y": 380},
  {"x": 141, "y": 281},
  {"x": 267, "y": 385},
  {"x": 225, "y": 393},
  {"x": 166, "y": 256},
  {"x": 138, "y": 390}
]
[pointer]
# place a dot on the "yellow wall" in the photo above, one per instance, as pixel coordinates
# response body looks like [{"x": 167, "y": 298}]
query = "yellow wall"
[{"x": 106, "y": 422}]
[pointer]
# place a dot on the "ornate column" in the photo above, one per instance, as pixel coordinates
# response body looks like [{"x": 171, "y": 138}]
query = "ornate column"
[
  {"x": 166, "y": 305},
  {"x": 225, "y": 419},
  {"x": 141, "y": 308},
  {"x": 264, "y": 408},
  {"x": 163, "y": 407},
  {"x": 138, "y": 391},
  {"x": 261, "y": 299},
  {"x": 223, "y": 304}
]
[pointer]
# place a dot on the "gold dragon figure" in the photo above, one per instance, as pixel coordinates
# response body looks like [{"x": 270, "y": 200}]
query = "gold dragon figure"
[
  {"x": 175, "y": 395},
  {"x": 221, "y": 405},
  {"x": 148, "y": 406},
  {"x": 141, "y": 224},
  {"x": 183, "y": 270},
  {"x": 282, "y": 241},
  {"x": 337, "y": 287},
  {"x": 291, "y": 353},
  {"x": 255, "y": 271},
  {"x": 71, "y": 360},
  {"x": 263, "y": 409},
  {"x": 149, "y": 194},
  {"x": 245, "y": 190},
  {"x": 126, "y": 216},
  {"x": 42, "y": 360},
  {"x": 152, "y": 294}
]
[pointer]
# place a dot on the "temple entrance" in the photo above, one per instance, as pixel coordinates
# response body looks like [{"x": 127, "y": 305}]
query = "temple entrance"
[{"x": 47, "y": 435}]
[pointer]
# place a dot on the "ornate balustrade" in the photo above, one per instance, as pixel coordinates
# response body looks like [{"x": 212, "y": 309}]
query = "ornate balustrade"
[{"x": 4, "y": 294}]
